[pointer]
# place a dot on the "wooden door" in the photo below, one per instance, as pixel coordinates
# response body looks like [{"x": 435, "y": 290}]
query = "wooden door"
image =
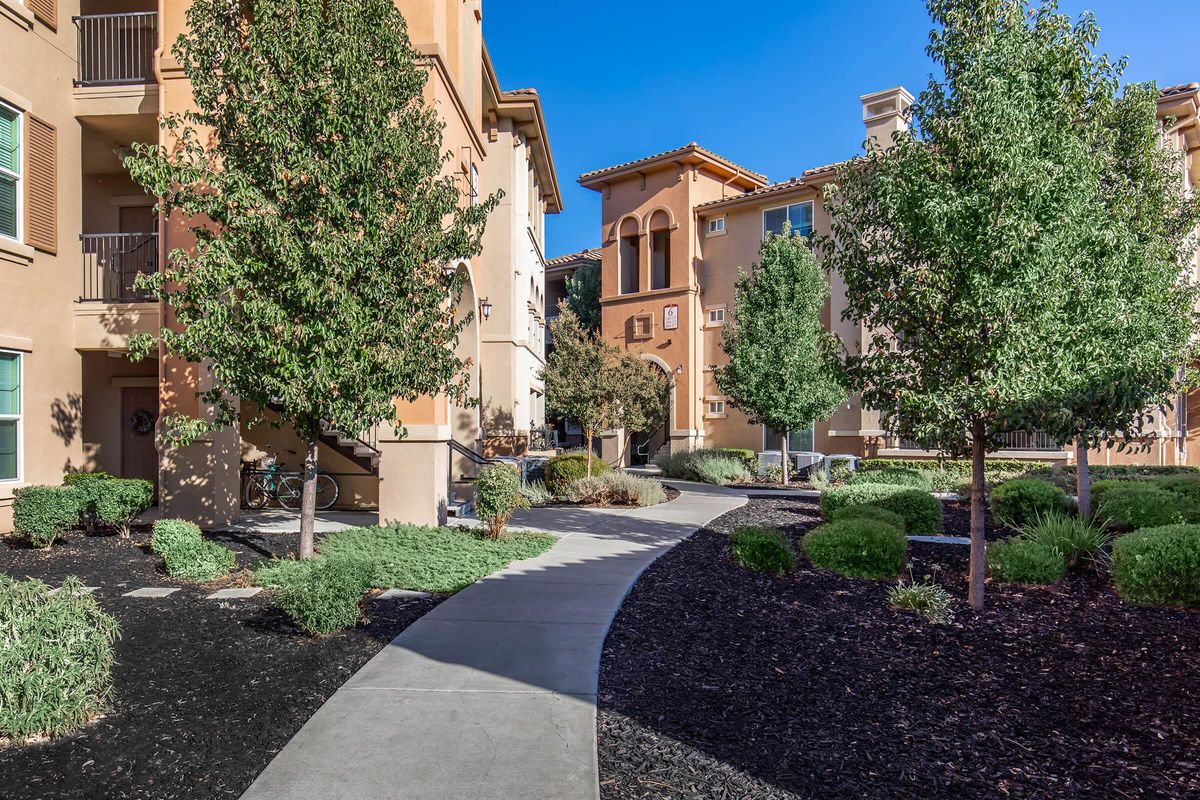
[{"x": 139, "y": 411}]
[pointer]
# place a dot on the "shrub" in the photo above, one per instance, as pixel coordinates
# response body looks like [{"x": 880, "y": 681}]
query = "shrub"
[
  {"x": 75, "y": 478},
  {"x": 922, "y": 512},
  {"x": 763, "y": 549},
  {"x": 1159, "y": 566},
  {"x": 536, "y": 493},
  {"x": 119, "y": 500},
  {"x": 1103, "y": 487},
  {"x": 187, "y": 554},
  {"x": 565, "y": 469},
  {"x": 43, "y": 513},
  {"x": 874, "y": 513},
  {"x": 497, "y": 496},
  {"x": 928, "y": 598},
  {"x": 1022, "y": 500},
  {"x": 618, "y": 489},
  {"x": 1020, "y": 560},
  {"x": 1139, "y": 505},
  {"x": 1064, "y": 475},
  {"x": 1077, "y": 540},
  {"x": 949, "y": 474},
  {"x": 324, "y": 596},
  {"x": 895, "y": 476},
  {"x": 857, "y": 548},
  {"x": 707, "y": 466},
  {"x": 720, "y": 470},
  {"x": 747, "y": 458},
  {"x": 1186, "y": 486},
  {"x": 56, "y": 656}
]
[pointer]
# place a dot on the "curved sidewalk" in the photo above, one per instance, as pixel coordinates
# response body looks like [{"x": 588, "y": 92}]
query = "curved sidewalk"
[{"x": 493, "y": 693}]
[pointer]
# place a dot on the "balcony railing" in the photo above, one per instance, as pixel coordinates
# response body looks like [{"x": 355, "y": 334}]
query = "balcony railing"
[
  {"x": 1018, "y": 440},
  {"x": 116, "y": 48},
  {"x": 111, "y": 263}
]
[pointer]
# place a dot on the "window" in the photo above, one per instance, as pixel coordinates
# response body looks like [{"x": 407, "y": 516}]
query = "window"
[
  {"x": 716, "y": 316},
  {"x": 10, "y": 416},
  {"x": 643, "y": 326},
  {"x": 800, "y": 441},
  {"x": 716, "y": 226},
  {"x": 716, "y": 408},
  {"x": 660, "y": 259},
  {"x": 631, "y": 268},
  {"x": 10, "y": 170},
  {"x": 474, "y": 184},
  {"x": 799, "y": 217}
]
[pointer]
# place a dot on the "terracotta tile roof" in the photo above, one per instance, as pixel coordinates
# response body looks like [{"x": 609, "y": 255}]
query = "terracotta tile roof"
[
  {"x": 792, "y": 183},
  {"x": 519, "y": 92},
  {"x": 592, "y": 254},
  {"x": 679, "y": 151},
  {"x": 1183, "y": 88}
]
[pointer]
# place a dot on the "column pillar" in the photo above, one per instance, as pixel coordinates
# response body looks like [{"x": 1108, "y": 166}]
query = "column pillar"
[{"x": 414, "y": 475}]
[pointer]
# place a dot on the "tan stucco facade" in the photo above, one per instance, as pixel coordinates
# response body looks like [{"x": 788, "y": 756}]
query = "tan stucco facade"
[
  {"x": 70, "y": 311},
  {"x": 714, "y": 214}
]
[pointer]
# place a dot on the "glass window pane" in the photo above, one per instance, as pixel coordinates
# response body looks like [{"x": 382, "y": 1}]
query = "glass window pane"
[
  {"x": 8, "y": 207},
  {"x": 801, "y": 217},
  {"x": 773, "y": 220},
  {"x": 8, "y": 450},
  {"x": 10, "y": 139},
  {"x": 10, "y": 383}
]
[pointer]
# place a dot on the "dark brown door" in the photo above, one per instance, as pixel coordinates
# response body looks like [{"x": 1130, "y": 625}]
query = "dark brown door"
[
  {"x": 138, "y": 251},
  {"x": 139, "y": 411}
]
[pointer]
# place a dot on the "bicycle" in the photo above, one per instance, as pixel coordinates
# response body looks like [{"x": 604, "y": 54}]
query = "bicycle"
[{"x": 261, "y": 486}]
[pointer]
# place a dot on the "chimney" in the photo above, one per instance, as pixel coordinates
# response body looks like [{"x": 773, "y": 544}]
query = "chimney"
[{"x": 885, "y": 113}]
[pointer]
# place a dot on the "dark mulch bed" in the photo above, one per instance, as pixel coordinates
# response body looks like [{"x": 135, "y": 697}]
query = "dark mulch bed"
[
  {"x": 206, "y": 691},
  {"x": 720, "y": 682}
]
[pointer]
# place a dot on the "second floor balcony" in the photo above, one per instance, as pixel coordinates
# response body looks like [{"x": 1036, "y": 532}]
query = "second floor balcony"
[
  {"x": 111, "y": 264},
  {"x": 116, "y": 49}
]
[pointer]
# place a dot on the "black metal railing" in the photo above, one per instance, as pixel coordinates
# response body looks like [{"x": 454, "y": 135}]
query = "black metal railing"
[
  {"x": 116, "y": 48},
  {"x": 1018, "y": 440},
  {"x": 112, "y": 262}
]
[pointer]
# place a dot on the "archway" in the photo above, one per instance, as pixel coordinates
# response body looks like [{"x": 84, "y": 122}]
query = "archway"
[
  {"x": 466, "y": 429},
  {"x": 645, "y": 445}
]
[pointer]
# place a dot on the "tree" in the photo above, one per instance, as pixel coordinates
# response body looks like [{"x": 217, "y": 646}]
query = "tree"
[
  {"x": 583, "y": 296},
  {"x": 598, "y": 385},
  {"x": 322, "y": 219},
  {"x": 1134, "y": 308},
  {"x": 959, "y": 245},
  {"x": 782, "y": 370}
]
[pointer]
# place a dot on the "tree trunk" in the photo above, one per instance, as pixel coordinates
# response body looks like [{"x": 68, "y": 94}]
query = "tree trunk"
[
  {"x": 783, "y": 456},
  {"x": 308, "y": 503},
  {"x": 587, "y": 437},
  {"x": 1083, "y": 480},
  {"x": 978, "y": 489}
]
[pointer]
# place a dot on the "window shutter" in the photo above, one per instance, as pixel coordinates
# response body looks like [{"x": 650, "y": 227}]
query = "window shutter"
[
  {"x": 45, "y": 11},
  {"x": 41, "y": 185}
]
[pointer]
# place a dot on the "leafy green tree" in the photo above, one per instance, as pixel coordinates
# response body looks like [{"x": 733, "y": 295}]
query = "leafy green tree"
[
  {"x": 598, "y": 385},
  {"x": 782, "y": 370},
  {"x": 323, "y": 220},
  {"x": 960, "y": 243},
  {"x": 583, "y": 296}
]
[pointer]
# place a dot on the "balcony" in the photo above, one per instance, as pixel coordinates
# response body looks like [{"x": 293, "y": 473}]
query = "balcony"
[
  {"x": 1018, "y": 441},
  {"x": 116, "y": 49},
  {"x": 111, "y": 264}
]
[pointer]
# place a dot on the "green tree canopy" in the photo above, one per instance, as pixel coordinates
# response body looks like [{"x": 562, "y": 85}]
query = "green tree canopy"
[
  {"x": 324, "y": 220},
  {"x": 583, "y": 296},
  {"x": 782, "y": 370}
]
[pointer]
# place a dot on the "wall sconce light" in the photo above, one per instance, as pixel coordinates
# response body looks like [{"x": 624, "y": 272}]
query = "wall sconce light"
[
  {"x": 679, "y": 370},
  {"x": 485, "y": 308}
]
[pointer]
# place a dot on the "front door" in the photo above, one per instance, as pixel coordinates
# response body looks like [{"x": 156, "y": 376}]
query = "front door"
[{"x": 139, "y": 411}]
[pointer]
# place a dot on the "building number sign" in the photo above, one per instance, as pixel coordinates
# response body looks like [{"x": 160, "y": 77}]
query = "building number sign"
[{"x": 671, "y": 318}]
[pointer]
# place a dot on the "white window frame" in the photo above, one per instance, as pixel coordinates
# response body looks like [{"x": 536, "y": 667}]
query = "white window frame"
[
  {"x": 714, "y": 413},
  {"x": 787, "y": 207},
  {"x": 716, "y": 226},
  {"x": 474, "y": 186},
  {"x": 712, "y": 312},
  {"x": 18, "y": 418},
  {"x": 18, "y": 176}
]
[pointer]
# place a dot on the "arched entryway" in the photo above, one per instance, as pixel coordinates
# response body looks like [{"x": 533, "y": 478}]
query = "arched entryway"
[
  {"x": 645, "y": 445},
  {"x": 466, "y": 428}
]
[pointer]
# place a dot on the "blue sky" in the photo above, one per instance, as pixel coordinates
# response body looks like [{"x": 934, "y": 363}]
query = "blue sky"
[{"x": 774, "y": 87}]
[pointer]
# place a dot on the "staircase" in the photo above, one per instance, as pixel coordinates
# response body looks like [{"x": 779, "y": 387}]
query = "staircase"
[{"x": 363, "y": 450}]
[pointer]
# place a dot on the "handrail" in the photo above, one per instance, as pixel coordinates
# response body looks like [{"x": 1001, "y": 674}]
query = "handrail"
[
  {"x": 112, "y": 262},
  {"x": 116, "y": 49}
]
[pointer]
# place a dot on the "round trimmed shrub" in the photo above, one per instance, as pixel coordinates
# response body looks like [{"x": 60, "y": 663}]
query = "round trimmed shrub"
[
  {"x": 922, "y": 512},
  {"x": 1140, "y": 505},
  {"x": 895, "y": 476},
  {"x": 1159, "y": 566},
  {"x": 56, "y": 656},
  {"x": 763, "y": 549},
  {"x": 497, "y": 495},
  {"x": 857, "y": 548},
  {"x": 1103, "y": 487},
  {"x": 565, "y": 469},
  {"x": 41, "y": 514},
  {"x": 868, "y": 512},
  {"x": 1023, "y": 500},
  {"x": 187, "y": 554},
  {"x": 324, "y": 596},
  {"x": 1021, "y": 560}
]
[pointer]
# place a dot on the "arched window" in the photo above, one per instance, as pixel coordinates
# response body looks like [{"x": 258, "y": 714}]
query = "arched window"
[
  {"x": 630, "y": 255},
  {"x": 660, "y": 250}
]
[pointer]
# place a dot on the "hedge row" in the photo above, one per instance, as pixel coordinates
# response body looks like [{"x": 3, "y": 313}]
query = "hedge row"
[{"x": 94, "y": 500}]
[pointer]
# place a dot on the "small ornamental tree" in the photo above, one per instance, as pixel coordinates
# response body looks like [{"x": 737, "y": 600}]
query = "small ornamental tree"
[
  {"x": 782, "y": 368},
  {"x": 960, "y": 243},
  {"x": 323, "y": 221},
  {"x": 598, "y": 385},
  {"x": 583, "y": 296}
]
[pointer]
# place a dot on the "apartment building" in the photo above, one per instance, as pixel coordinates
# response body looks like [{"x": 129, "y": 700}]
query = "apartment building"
[
  {"x": 677, "y": 226},
  {"x": 83, "y": 80}
]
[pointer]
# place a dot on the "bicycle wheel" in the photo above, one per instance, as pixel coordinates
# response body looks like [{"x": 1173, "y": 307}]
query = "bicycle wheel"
[
  {"x": 290, "y": 491},
  {"x": 327, "y": 491},
  {"x": 256, "y": 494}
]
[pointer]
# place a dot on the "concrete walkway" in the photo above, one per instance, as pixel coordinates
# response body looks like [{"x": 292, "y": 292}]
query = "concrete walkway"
[{"x": 492, "y": 695}]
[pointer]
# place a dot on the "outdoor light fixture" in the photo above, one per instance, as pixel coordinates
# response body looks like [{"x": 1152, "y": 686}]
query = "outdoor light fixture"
[
  {"x": 450, "y": 269},
  {"x": 485, "y": 308},
  {"x": 679, "y": 370}
]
